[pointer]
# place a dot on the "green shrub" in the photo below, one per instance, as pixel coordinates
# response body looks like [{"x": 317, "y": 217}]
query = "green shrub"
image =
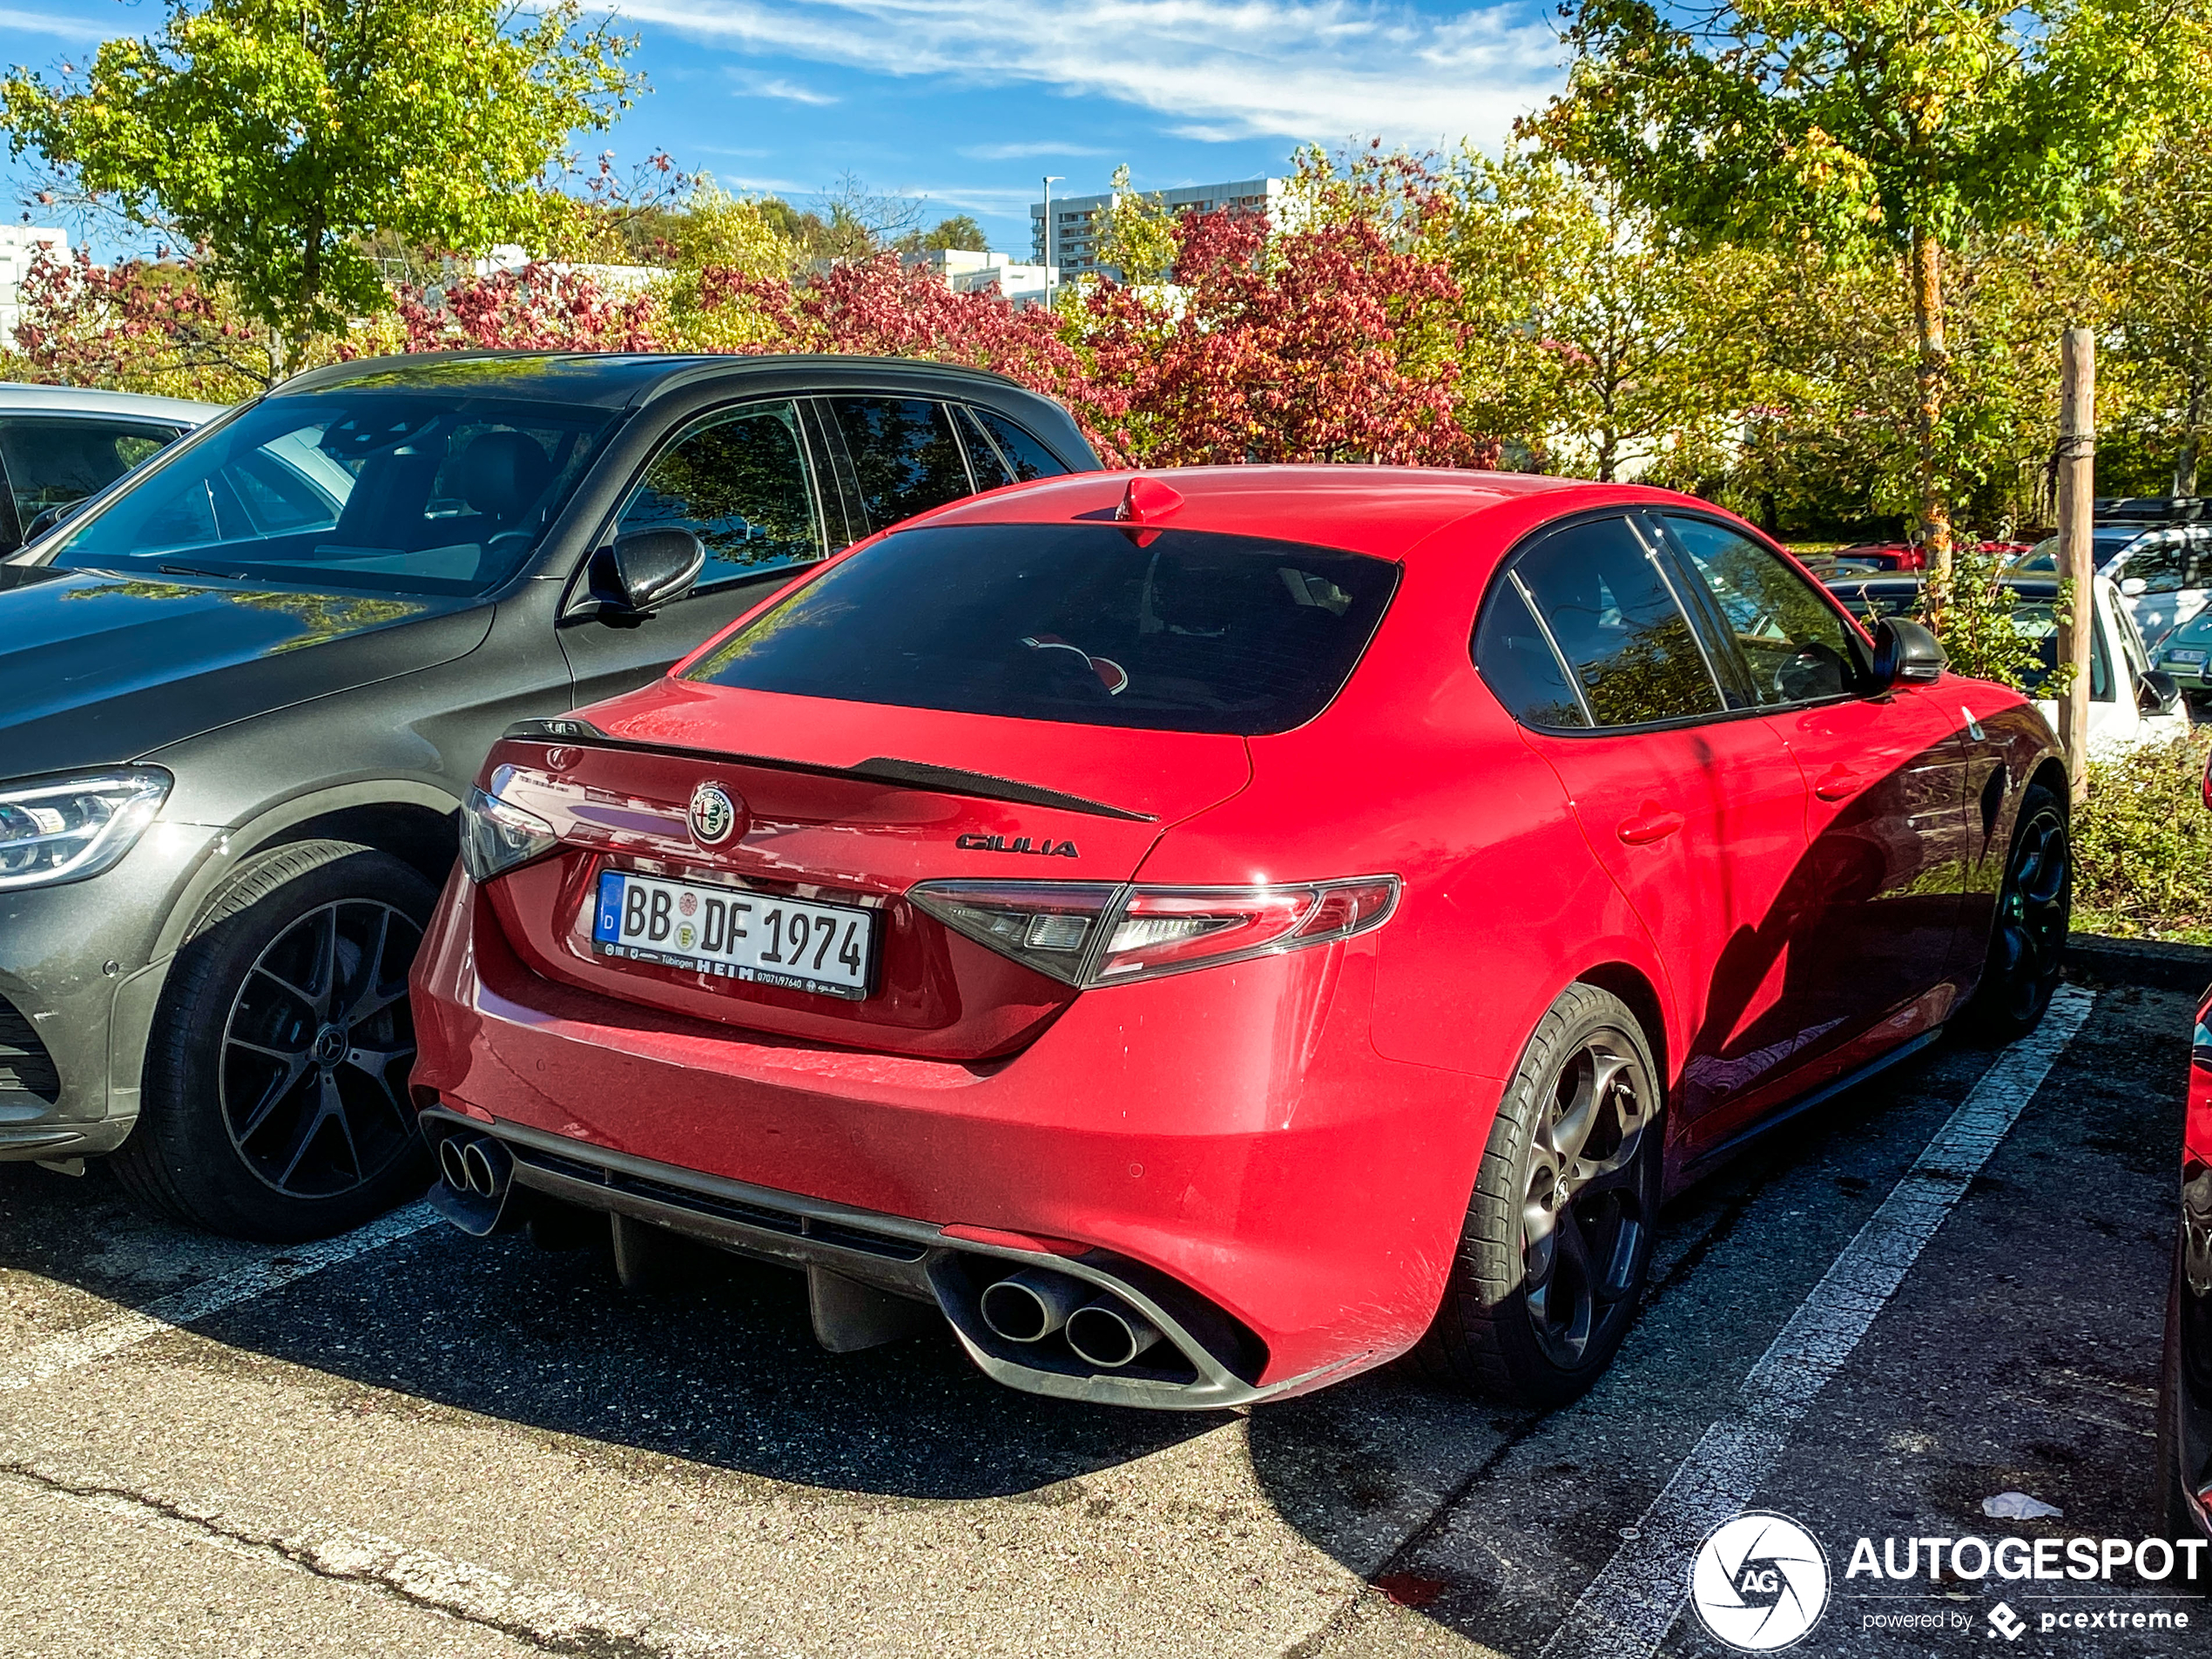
[{"x": 2142, "y": 844}]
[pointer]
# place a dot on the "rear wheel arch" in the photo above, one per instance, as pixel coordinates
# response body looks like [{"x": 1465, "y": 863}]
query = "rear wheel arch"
[{"x": 1636, "y": 989}]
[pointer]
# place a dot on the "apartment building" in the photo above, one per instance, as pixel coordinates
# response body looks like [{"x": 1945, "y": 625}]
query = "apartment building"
[{"x": 1079, "y": 222}]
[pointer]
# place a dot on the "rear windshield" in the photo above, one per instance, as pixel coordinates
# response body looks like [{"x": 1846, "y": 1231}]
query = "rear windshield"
[{"x": 1171, "y": 630}]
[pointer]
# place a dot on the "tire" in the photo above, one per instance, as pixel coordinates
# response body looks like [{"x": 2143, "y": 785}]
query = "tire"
[
  {"x": 2027, "y": 936},
  {"x": 2174, "y": 1518},
  {"x": 274, "y": 1103},
  {"x": 1535, "y": 1308}
]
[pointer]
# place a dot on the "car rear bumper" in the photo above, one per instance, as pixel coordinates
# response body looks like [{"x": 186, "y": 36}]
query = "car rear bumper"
[{"x": 1228, "y": 1136}]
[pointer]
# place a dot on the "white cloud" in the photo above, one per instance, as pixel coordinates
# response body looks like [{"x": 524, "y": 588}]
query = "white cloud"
[
  {"x": 776, "y": 86},
  {"x": 1018, "y": 151},
  {"x": 1322, "y": 70},
  {"x": 37, "y": 23}
]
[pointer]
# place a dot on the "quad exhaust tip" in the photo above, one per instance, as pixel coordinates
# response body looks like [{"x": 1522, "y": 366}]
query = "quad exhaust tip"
[
  {"x": 1031, "y": 1306},
  {"x": 1107, "y": 1335},
  {"x": 476, "y": 1164},
  {"x": 1033, "y": 1303}
]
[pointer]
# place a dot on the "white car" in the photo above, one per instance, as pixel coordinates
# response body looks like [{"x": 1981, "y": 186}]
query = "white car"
[
  {"x": 2163, "y": 571},
  {"x": 2131, "y": 704},
  {"x": 59, "y": 444}
]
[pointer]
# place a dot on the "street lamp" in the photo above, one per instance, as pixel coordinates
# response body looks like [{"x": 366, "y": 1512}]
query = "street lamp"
[{"x": 1050, "y": 179}]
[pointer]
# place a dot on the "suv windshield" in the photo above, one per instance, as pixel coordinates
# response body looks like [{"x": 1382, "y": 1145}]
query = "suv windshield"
[
  {"x": 1170, "y": 631},
  {"x": 387, "y": 492}
]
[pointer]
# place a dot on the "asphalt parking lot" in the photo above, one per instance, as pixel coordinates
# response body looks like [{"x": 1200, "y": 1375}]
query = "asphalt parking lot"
[{"x": 408, "y": 1442}]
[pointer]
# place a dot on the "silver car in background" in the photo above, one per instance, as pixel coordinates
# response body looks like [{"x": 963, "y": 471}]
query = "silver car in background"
[{"x": 61, "y": 444}]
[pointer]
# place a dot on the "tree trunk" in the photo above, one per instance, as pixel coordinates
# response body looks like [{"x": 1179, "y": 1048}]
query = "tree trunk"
[
  {"x": 1607, "y": 444},
  {"x": 1934, "y": 362},
  {"x": 2192, "y": 437}
]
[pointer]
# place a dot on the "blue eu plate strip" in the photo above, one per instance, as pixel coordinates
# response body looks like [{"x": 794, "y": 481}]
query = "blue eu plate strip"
[{"x": 609, "y": 927}]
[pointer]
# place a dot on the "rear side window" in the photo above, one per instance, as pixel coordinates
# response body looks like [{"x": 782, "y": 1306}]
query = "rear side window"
[
  {"x": 1519, "y": 664},
  {"x": 1024, "y": 457},
  {"x": 1610, "y": 609},
  {"x": 904, "y": 454},
  {"x": 1176, "y": 631}
]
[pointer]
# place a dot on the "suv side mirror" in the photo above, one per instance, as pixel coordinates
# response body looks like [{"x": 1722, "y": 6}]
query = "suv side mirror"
[
  {"x": 644, "y": 571},
  {"x": 1905, "y": 653},
  {"x": 2157, "y": 691}
]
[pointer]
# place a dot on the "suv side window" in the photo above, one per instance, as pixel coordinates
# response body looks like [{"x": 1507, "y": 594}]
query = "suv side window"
[
  {"x": 904, "y": 454},
  {"x": 1796, "y": 646},
  {"x": 54, "y": 462},
  {"x": 740, "y": 481},
  {"x": 1610, "y": 612},
  {"x": 1024, "y": 457}
]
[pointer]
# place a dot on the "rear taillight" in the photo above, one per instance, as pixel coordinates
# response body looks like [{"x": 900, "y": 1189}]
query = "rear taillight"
[
  {"x": 497, "y": 835},
  {"x": 1088, "y": 933}
]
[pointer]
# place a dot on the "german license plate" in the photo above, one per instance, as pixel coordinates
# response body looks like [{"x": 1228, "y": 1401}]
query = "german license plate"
[
  {"x": 733, "y": 934},
  {"x": 2184, "y": 656}
]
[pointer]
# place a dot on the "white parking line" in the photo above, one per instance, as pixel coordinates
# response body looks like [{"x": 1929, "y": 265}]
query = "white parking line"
[
  {"x": 281, "y": 1267},
  {"x": 541, "y": 1615},
  {"x": 1629, "y": 1607}
]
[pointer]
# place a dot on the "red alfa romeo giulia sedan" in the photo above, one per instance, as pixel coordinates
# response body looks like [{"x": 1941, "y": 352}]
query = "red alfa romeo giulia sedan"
[{"x": 1206, "y": 933}]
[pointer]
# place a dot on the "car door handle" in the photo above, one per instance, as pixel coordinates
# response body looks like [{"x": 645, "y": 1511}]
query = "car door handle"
[
  {"x": 1838, "y": 783},
  {"x": 1652, "y": 824}
]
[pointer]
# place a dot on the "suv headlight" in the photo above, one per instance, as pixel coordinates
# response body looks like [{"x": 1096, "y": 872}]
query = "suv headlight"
[{"x": 64, "y": 829}]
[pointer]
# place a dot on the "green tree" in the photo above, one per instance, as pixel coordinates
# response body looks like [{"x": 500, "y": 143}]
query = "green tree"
[
  {"x": 273, "y": 136},
  {"x": 2158, "y": 239},
  {"x": 1593, "y": 333},
  {"x": 1867, "y": 128},
  {"x": 960, "y": 232}
]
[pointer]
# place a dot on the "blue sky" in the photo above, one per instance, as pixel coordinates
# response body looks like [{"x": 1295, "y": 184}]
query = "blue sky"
[{"x": 968, "y": 102}]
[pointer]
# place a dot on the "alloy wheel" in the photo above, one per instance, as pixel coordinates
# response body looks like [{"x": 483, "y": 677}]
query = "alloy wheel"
[
  {"x": 2033, "y": 911},
  {"x": 316, "y": 1051},
  {"x": 1583, "y": 1216}
]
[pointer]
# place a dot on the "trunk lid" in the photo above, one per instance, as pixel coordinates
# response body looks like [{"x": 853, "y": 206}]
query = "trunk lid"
[{"x": 841, "y": 803}]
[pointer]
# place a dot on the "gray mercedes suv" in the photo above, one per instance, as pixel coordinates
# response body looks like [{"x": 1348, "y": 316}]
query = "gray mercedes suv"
[{"x": 244, "y": 689}]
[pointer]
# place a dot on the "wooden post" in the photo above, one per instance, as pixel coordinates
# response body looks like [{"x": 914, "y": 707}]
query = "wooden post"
[{"x": 2077, "y": 488}]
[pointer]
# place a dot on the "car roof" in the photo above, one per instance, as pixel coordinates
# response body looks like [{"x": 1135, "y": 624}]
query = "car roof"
[
  {"x": 619, "y": 380},
  {"x": 23, "y": 397},
  {"x": 1386, "y": 511}
]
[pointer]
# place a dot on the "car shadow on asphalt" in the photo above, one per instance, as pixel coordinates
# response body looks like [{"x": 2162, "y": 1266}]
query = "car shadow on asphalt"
[{"x": 716, "y": 1364}]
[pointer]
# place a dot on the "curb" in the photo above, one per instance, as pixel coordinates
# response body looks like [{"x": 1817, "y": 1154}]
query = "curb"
[{"x": 2141, "y": 962}]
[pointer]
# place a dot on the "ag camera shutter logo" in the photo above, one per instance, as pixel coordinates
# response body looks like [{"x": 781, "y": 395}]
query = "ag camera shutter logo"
[{"x": 1759, "y": 1582}]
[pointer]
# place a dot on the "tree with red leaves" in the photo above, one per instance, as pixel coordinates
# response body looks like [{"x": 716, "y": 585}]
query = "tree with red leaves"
[
  {"x": 140, "y": 325},
  {"x": 540, "y": 307},
  {"x": 1325, "y": 343},
  {"x": 883, "y": 307}
]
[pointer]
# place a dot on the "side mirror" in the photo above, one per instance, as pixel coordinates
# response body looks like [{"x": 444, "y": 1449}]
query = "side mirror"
[
  {"x": 1905, "y": 653},
  {"x": 643, "y": 571},
  {"x": 2133, "y": 587},
  {"x": 2157, "y": 691}
]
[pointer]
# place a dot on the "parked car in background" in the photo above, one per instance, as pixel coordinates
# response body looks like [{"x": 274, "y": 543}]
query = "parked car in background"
[
  {"x": 61, "y": 444},
  {"x": 243, "y": 693},
  {"x": 2163, "y": 572},
  {"x": 1868, "y": 557},
  {"x": 2131, "y": 703},
  {"x": 1205, "y": 934},
  {"x": 2184, "y": 1447}
]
